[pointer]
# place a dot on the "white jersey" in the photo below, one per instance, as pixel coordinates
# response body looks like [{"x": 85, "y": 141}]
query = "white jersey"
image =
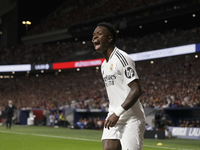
[{"x": 117, "y": 73}]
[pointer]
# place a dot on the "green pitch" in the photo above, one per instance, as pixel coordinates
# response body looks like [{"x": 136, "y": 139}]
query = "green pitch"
[{"x": 47, "y": 138}]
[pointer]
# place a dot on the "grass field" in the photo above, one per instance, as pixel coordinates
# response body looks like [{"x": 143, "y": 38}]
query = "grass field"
[{"x": 47, "y": 138}]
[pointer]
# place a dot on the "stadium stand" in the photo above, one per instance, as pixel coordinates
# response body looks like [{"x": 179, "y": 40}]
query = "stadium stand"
[
  {"x": 84, "y": 10},
  {"x": 88, "y": 10},
  {"x": 67, "y": 51},
  {"x": 164, "y": 86},
  {"x": 174, "y": 85},
  {"x": 53, "y": 51}
]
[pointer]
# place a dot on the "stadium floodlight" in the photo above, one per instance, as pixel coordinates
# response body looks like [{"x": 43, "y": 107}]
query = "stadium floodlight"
[{"x": 26, "y": 23}]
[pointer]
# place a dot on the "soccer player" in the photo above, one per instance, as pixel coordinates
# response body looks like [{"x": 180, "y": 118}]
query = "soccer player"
[{"x": 125, "y": 122}]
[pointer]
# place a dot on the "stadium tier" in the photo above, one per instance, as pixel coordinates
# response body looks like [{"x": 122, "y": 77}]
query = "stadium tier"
[{"x": 52, "y": 73}]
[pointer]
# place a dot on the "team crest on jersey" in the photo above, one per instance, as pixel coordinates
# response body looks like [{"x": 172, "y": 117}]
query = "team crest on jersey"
[
  {"x": 129, "y": 72},
  {"x": 111, "y": 67}
]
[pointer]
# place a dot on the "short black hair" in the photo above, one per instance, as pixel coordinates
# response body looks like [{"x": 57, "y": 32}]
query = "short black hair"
[{"x": 111, "y": 28}]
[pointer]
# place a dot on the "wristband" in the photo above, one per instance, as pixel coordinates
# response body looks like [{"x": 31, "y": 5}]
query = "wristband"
[{"x": 119, "y": 111}]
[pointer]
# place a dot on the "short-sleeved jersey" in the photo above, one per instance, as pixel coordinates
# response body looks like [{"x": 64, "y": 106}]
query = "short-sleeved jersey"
[{"x": 117, "y": 73}]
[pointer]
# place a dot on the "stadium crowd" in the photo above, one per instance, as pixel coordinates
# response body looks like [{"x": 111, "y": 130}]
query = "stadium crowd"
[
  {"x": 188, "y": 123},
  {"x": 52, "y": 91},
  {"x": 53, "y": 52},
  {"x": 174, "y": 85},
  {"x": 71, "y": 13},
  {"x": 90, "y": 123},
  {"x": 164, "y": 85}
]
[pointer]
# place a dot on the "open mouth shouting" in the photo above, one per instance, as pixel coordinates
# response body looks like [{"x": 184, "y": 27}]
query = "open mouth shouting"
[{"x": 96, "y": 44}]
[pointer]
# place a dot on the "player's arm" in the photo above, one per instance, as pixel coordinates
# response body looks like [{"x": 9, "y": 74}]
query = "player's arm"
[
  {"x": 130, "y": 100},
  {"x": 133, "y": 95},
  {"x": 130, "y": 77}
]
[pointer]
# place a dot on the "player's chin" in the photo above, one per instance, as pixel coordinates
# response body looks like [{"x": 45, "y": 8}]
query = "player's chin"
[{"x": 98, "y": 50}]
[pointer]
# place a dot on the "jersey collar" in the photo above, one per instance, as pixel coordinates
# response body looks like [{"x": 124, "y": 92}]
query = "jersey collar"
[{"x": 113, "y": 52}]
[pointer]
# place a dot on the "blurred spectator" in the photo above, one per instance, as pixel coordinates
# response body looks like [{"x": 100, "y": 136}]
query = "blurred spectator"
[
  {"x": 45, "y": 114},
  {"x": 90, "y": 124},
  {"x": 56, "y": 114},
  {"x": 193, "y": 123},
  {"x": 100, "y": 123},
  {"x": 197, "y": 123},
  {"x": 187, "y": 123},
  {"x": 81, "y": 124},
  {"x": 182, "y": 123},
  {"x": 62, "y": 121},
  {"x": 170, "y": 123},
  {"x": 52, "y": 119},
  {"x": 148, "y": 127},
  {"x": 1, "y": 114}
]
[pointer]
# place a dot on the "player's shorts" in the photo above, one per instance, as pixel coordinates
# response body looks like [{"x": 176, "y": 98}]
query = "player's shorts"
[{"x": 130, "y": 134}]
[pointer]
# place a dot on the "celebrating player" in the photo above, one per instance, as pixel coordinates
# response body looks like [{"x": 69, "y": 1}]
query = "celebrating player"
[{"x": 125, "y": 122}]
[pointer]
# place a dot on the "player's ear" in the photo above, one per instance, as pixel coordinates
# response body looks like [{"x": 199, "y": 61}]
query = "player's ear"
[{"x": 110, "y": 39}]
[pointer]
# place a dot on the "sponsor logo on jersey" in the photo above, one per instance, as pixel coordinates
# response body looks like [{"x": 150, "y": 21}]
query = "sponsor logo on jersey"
[
  {"x": 109, "y": 80},
  {"x": 129, "y": 72}
]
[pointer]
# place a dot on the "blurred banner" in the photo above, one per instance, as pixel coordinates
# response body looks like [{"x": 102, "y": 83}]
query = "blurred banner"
[
  {"x": 167, "y": 52},
  {"x": 15, "y": 68},
  {"x": 78, "y": 64},
  {"x": 186, "y": 132},
  {"x": 41, "y": 67}
]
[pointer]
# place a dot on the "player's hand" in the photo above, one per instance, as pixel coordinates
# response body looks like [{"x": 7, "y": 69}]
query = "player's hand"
[{"x": 111, "y": 121}]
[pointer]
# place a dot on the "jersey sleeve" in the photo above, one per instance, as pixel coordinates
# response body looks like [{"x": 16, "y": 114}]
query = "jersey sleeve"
[{"x": 127, "y": 69}]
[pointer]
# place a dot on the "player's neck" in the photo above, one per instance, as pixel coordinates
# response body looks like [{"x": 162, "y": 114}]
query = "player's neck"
[{"x": 108, "y": 52}]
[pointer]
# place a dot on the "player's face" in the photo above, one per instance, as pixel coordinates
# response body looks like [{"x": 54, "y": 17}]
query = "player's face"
[{"x": 100, "y": 39}]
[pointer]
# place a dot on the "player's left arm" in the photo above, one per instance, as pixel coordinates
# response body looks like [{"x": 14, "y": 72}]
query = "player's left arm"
[
  {"x": 130, "y": 100},
  {"x": 133, "y": 95}
]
